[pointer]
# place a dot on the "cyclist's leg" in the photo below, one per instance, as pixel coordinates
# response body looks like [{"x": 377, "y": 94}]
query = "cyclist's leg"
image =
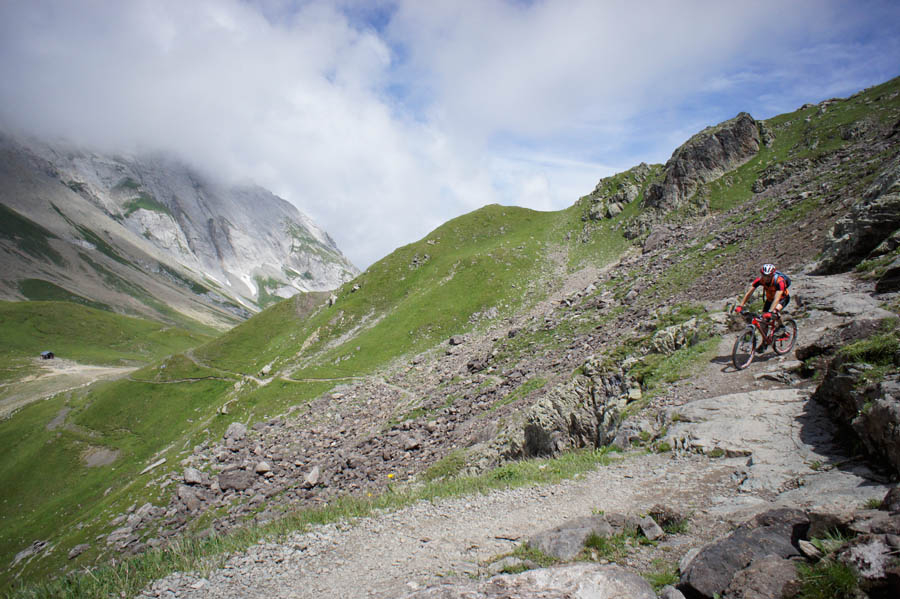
[
  {"x": 766, "y": 307},
  {"x": 784, "y": 302}
]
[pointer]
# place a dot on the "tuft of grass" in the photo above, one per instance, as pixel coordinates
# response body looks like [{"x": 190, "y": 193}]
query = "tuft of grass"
[
  {"x": 533, "y": 554},
  {"x": 661, "y": 573},
  {"x": 827, "y": 579},
  {"x": 610, "y": 548},
  {"x": 447, "y": 467},
  {"x": 879, "y": 349},
  {"x": 872, "y": 504},
  {"x": 676, "y": 527},
  {"x": 831, "y": 542}
]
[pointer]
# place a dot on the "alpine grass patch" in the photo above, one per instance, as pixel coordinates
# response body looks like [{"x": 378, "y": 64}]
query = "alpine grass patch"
[{"x": 827, "y": 579}]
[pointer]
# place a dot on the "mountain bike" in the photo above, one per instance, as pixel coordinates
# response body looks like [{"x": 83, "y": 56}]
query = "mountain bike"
[{"x": 759, "y": 334}]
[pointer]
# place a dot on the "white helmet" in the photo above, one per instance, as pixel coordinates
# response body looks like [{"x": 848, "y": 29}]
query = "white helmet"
[{"x": 767, "y": 269}]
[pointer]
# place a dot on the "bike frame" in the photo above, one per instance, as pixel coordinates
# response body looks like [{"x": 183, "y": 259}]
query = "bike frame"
[{"x": 761, "y": 324}]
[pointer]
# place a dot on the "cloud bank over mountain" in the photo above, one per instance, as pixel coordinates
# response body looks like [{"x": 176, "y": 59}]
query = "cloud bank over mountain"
[{"x": 383, "y": 119}]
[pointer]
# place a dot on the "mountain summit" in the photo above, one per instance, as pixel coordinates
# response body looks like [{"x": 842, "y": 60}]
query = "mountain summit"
[{"x": 150, "y": 227}]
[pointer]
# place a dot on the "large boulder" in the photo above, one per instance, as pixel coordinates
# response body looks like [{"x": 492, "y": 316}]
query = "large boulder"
[
  {"x": 768, "y": 577},
  {"x": 238, "y": 480},
  {"x": 890, "y": 279},
  {"x": 773, "y": 533},
  {"x": 579, "y": 581},
  {"x": 868, "y": 224},
  {"x": 567, "y": 540}
]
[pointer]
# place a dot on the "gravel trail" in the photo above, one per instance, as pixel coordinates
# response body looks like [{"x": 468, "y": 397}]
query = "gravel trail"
[{"x": 384, "y": 555}]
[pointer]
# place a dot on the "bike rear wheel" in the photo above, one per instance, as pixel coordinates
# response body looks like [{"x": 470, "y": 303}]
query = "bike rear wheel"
[
  {"x": 785, "y": 337},
  {"x": 744, "y": 348}
]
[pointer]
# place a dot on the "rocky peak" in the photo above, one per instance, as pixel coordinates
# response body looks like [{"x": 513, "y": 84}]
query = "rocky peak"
[{"x": 704, "y": 158}]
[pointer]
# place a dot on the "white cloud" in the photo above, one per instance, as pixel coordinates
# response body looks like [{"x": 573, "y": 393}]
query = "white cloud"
[{"x": 383, "y": 130}]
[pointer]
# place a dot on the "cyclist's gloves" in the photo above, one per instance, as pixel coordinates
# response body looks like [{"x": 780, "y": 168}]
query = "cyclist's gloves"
[
  {"x": 739, "y": 309},
  {"x": 767, "y": 315}
]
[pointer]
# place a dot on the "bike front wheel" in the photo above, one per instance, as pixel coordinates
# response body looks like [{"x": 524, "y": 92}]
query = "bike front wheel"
[
  {"x": 785, "y": 337},
  {"x": 744, "y": 349}
]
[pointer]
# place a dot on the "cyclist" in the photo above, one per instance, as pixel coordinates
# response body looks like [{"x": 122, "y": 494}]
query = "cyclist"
[{"x": 776, "y": 288}]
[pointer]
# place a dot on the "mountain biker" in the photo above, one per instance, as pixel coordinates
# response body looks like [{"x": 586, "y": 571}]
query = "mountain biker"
[{"x": 776, "y": 288}]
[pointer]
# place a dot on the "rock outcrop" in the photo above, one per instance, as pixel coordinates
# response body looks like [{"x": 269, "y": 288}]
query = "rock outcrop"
[
  {"x": 705, "y": 157},
  {"x": 871, "y": 409},
  {"x": 584, "y": 412},
  {"x": 869, "y": 223},
  {"x": 714, "y": 568},
  {"x": 760, "y": 559}
]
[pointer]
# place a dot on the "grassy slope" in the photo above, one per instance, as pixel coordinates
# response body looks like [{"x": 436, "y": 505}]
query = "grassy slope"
[
  {"x": 86, "y": 334},
  {"x": 44, "y": 481},
  {"x": 404, "y": 304}
]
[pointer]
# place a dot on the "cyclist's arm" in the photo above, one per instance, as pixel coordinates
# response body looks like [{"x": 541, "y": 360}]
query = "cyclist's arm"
[{"x": 748, "y": 294}]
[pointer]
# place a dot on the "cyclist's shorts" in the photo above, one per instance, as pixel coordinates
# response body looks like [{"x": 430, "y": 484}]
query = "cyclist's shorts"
[{"x": 785, "y": 300}]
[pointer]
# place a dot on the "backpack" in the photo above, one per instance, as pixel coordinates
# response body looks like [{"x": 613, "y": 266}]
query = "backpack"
[{"x": 787, "y": 279}]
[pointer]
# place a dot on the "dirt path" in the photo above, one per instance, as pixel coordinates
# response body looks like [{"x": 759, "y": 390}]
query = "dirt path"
[{"x": 56, "y": 376}]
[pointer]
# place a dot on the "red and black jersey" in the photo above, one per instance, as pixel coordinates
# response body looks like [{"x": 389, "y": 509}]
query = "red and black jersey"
[{"x": 777, "y": 284}]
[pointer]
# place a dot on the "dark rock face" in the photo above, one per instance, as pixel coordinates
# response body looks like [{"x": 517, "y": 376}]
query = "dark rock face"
[
  {"x": 774, "y": 533},
  {"x": 767, "y": 577},
  {"x": 890, "y": 280},
  {"x": 705, "y": 157},
  {"x": 891, "y": 501},
  {"x": 871, "y": 411},
  {"x": 868, "y": 224}
]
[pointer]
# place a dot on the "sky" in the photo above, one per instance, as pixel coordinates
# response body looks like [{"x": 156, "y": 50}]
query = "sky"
[{"x": 383, "y": 119}]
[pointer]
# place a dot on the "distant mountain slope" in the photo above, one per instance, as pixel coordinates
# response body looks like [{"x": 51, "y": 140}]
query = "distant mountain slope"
[{"x": 149, "y": 235}]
